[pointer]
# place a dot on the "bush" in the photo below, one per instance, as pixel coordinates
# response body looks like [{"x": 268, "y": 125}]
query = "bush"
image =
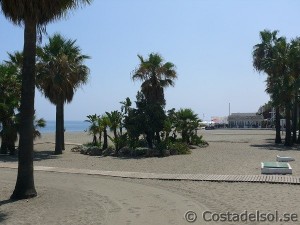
[
  {"x": 125, "y": 151},
  {"x": 140, "y": 151},
  {"x": 197, "y": 140},
  {"x": 109, "y": 151},
  {"x": 91, "y": 144},
  {"x": 77, "y": 148},
  {"x": 119, "y": 142},
  {"x": 162, "y": 148},
  {"x": 142, "y": 143},
  {"x": 94, "y": 151},
  {"x": 179, "y": 148}
]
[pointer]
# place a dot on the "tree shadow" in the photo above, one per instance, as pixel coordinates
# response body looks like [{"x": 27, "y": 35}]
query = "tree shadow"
[
  {"x": 37, "y": 156},
  {"x": 7, "y": 201},
  {"x": 270, "y": 145},
  {"x": 3, "y": 216}
]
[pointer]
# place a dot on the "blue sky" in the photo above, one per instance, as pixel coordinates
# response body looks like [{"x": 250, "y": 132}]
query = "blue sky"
[{"x": 209, "y": 41}]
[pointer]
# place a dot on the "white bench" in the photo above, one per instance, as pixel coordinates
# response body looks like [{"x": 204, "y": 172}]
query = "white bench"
[
  {"x": 276, "y": 168},
  {"x": 284, "y": 159}
]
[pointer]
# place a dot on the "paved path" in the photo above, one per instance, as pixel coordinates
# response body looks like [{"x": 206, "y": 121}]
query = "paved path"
[{"x": 283, "y": 179}]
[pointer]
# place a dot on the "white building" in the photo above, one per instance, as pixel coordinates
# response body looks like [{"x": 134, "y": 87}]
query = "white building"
[{"x": 245, "y": 120}]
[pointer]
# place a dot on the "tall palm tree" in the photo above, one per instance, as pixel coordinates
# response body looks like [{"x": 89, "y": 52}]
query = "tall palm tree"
[
  {"x": 262, "y": 58},
  {"x": 294, "y": 64},
  {"x": 32, "y": 15},
  {"x": 272, "y": 57},
  {"x": 280, "y": 64},
  {"x": 155, "y": 75},
  {"x": 60, "y": 71}
]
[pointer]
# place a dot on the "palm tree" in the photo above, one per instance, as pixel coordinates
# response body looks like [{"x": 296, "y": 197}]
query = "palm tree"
[
  {"x": 124, "y": 111},
  {"x": 155, "y": 75},
  {"x": 285, "y": 81},
  {"x": 294, "y": 64},
  {"x": 60, "y": 71},
  {"x": 125, "y": 106},
  {"x": 10, "y": 91},
  {"x": 115, "y": 118},
  {"x": 186, "y": 122},
  {"x": 16, "y": 59},
  {"x": 262, "y": 54},
  {"x": 33, "y": 15},
  {"x": 38, "y": 123},
  {"x": 93, "y": 128},
  {"x": 105, "y": 123}
]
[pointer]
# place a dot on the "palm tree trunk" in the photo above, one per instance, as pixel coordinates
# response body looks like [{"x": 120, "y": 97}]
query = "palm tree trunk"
[
  {"x": 4, "y": 141},
  {"x": 105, "y": 145},
  {"x": 100, "y": 138},
  {"x": 94, "y": 139},
  {"x": 58, "y": 135},
  {"x": 149, "y": 139},
  {"x": 63, "y": 128},
  {"x": 3, "y": 148},
  {"x": 157, "y": 136},
  {"x": 116, "y": 140},
  {"x": 25, "y": 180},
  {"x": 298, "y": 123},
  {"x": 277, "y": 126},
  {"x": 288, "y": 137},
  {"x": 295, "y": 119}
]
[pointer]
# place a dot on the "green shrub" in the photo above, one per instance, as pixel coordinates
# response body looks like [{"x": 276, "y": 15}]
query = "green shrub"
[
  {"x": 142, "y": 143},
  {"x": 162, "y": 148},
  {"x": 91, "y": 144},
  {"x": 139, "y": 151},
  {"x": 197, "y": 140},
  {"x": 179, "y": 148}
]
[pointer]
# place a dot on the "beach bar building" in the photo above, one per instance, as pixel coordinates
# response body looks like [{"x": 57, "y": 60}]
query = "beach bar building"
[{"x": 245, "y": 120}]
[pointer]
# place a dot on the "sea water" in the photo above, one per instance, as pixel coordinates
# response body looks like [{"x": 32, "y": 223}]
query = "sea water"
[{"x": 70, "y": 126}]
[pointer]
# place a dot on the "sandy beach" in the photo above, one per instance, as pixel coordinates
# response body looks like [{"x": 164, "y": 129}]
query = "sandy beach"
[
  {"x": 83, "y": 199},
  {"x": 229, "y": 152}
]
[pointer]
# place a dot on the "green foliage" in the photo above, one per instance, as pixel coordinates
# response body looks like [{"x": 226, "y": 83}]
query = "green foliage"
[
  {"x": 119, "y": 141},
  {"x": 139, "y": 151},
  {"x": 91, "y": 144},
  {"x": 186, "y": 122},
  {"x": 60, "y": 69},
  {"x": 155, "y": 75},
  {"x": 198, "y": 140},
  {"x": 179, "y": 148},
  {"x": 38, "y": 123},
  {"x": 94, "y": 127},
  {"x": 147, "y": 119}
]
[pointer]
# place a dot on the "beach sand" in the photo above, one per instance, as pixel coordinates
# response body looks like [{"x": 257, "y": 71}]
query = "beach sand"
[
  {"x": 229, "y": 152},
  {"x": 83, "y": 199}
]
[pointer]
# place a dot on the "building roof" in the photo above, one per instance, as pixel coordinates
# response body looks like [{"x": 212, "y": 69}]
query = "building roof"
[{"x": 245, "y": 116}]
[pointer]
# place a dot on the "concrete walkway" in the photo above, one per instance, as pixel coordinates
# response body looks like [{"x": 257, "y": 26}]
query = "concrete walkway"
[{"x": 282, "y": 179}]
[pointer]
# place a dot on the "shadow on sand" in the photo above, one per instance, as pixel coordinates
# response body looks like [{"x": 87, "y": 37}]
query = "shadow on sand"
[
  {"x": 3, "y": 216},
  {"x": 4, "y": 202},
  {"x": 37, "y": 156},
  {"x": 270, "y": 145}
]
